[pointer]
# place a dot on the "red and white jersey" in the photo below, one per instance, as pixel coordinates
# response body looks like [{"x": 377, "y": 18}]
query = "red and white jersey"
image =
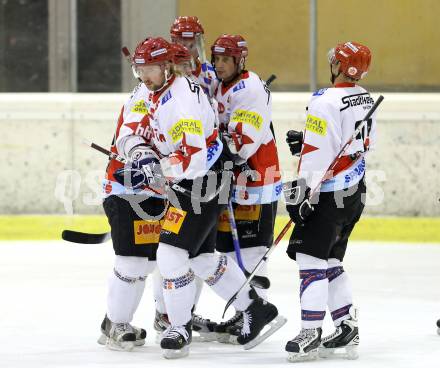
[
  {"x": 245, "y": 108},
  {"x": 332, "y": 117},
  {"x": 184, "y": 133},
  {"x": 133, "y": 128}
]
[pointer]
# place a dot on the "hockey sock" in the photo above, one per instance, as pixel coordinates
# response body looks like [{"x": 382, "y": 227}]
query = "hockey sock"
[
  {"x": 223, "y": 275},
  {"x": 158, "y": 292},
  {"x": 199, "y": 287},
  {"x": 126, "y": 285},
  {"x": 339, "y": 291},
  {"x": 313, "y": 290},
  {"x": 178, "y": 283}
]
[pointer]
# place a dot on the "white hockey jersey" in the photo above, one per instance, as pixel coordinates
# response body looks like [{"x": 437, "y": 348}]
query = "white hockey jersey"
[
  {"x": 245, "y": 109},
  {"x": 133, "y": 128},
  {"x": 332, "y": 117},
  {"x": 184, "y": 133}
]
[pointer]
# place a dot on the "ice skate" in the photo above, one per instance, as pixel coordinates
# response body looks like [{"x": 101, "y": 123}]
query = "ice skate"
[
  {"x": 205, "y": 329},
  {"x": 161, "y": 323},
  {"x": 222, "y": 329},
  {"x": 259, "y": 314},
  {"x": 106, "y": 325},
  {"x": 343, "y": 342},
  {"x": 304, "y": 347},
  {"x": 176, "y": 340}
]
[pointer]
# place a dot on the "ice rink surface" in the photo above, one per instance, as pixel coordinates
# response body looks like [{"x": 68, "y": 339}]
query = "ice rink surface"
[{"x": 53, "y": 300}]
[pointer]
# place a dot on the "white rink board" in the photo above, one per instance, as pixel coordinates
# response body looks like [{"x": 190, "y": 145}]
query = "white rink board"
[{"x": 53, "y": 301}]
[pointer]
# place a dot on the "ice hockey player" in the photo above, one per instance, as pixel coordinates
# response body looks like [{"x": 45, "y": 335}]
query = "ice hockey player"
[
  {"x": 323, "y": 225},
  {"x": 189, "y": 32},
  {"x": 133, "y": 212},
  {"x": 245, "y": 109},
  {"x": 184, "y": 131},
  {"x": 184, "y": 65}
]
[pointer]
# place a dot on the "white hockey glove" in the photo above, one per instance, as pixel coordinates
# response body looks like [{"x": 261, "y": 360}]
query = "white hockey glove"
[
  {"x": 144, "y": 170},
  {"x": 232, "y": 144}
]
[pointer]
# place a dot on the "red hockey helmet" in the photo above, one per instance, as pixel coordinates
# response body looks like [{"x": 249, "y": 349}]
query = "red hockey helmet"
[
  {"x": 230, "y": 45},
  {"x": 354, "y": 59},
  {"x": 153, "y": 51},
  {"x": 180, "y": 53},
  {"x": 186, "y": 27}
]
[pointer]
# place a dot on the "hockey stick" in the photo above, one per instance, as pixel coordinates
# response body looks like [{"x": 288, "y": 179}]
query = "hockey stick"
[
  {"x": 84, "y": 238},
  {"x": 260, "y": 282},
  {"x": 127, "y": 55},
  {"x": 325, "y": 177}
]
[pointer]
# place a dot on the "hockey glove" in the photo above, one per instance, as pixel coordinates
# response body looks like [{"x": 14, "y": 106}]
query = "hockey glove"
[
  {"x": 295, "y": 140},
  {"x": 297, "y": 199},
  {"x": 144, "y": 170}
]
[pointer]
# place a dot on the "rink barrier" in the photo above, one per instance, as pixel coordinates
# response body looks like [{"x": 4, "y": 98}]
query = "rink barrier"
[{"x": 45, "y": 163}]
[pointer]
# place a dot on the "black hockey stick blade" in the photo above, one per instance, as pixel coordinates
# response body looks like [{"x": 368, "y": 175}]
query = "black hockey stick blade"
[
  {"x": 260, "y": 282},
  {"x": 84, "y": 238}
]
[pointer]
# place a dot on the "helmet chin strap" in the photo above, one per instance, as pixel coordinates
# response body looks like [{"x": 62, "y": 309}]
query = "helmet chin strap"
[
  {"x": 168, "y": 76},
  {"x": 333, "y": 77}
]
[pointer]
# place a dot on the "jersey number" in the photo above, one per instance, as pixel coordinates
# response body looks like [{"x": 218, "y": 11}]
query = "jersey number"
[
  {"x": 361, "y": 134},
  {"x": 194, "y": 87}
]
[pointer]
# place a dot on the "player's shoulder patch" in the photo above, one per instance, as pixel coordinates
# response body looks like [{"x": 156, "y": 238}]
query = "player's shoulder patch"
[
  {"x": 319, "y": 92},
  {"x": 166, "y": 98},
  {"x": 239, "y": 86}
]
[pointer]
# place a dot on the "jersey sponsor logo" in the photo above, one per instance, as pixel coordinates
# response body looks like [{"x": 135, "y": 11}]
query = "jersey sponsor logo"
[
  {"x": 247, "y": 213},
  {"x": 248, "y": 117},
  {"x": 146, "y": 232},
  {"x": 189, "y": 126},
  {"x": 319, "y": 92},
  {"x": 212, "y": 151},
  {"x": 166, "y": 98},
  {"x": 316, "y": 125},
  {"x": 356, "y": 172},
  {"x": 239, "y": 86},
  {"x": 223, "y": 222},
  {"x": 174, "y": 219},
  {"x": 357, "y": 100},
  {"x": 139, "y": 107},
  {"x": 278, "y": 189}
]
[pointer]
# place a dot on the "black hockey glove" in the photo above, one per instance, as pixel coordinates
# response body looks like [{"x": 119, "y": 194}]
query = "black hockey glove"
[
  {"x": 295, "y": 140},
  {"x": 144, "y": 170},
  {"x": 296, "y": 194}
]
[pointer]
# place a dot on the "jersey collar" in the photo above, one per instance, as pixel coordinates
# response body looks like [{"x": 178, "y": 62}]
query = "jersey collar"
[
  {"x": 225, "y": 88},
  {"x": 344, "y": 84}
]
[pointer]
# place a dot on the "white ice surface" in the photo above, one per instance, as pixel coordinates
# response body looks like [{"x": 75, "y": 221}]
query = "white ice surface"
[{"x": 53, "y": 300}]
